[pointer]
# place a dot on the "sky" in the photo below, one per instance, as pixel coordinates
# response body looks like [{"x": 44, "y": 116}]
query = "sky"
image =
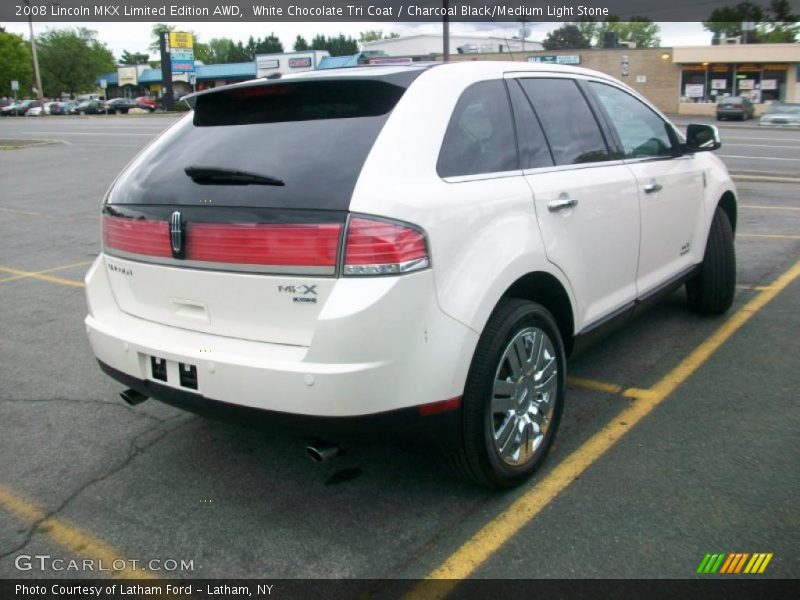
[{"x": 135, "y": 37}]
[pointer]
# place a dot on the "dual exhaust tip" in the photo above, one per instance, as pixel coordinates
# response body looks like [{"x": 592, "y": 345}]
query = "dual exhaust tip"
[
  {"x": 319, "y": 452},
  {"x": 132, "y": 397}
]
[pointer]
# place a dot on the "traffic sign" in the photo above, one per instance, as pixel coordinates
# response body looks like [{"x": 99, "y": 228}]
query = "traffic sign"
[{"x": 14, "y": 85}]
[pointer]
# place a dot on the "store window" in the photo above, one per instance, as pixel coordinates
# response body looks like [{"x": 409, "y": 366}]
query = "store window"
[{"x": 759, "y": 83}]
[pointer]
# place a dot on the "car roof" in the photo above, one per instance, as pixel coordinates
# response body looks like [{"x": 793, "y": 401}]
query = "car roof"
[{"x": 468, "y": 69}]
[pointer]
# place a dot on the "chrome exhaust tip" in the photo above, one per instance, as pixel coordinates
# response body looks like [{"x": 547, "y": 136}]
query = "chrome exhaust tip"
[
  {"x": 321, "y": 452},
  {"x": 132, "y": 397}
]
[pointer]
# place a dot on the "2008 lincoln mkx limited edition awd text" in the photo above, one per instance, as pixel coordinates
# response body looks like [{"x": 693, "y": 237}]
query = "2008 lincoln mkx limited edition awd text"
[{"x": 409, "y": 247}]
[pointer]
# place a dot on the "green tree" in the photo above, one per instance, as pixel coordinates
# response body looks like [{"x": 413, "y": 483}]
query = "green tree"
[
  {"x": 375, "y": 35},
  {"x": 155, "y": 33},
  {"x": 639, "y": 30},
  {"x": 15, "y": 64},
  {"x": 301, "y": 44},
  {"x": 726, "y": 21},
  {"x": 337, "y": 46},
  {"x": 133, "y": 58},
  {"x": 269, "y": 45},
  {"x": 71, "y": 59},
  {"x": 566, "y": 37},
  {"x": 782, "y": 26},
  {"x": 588, "y": 27}
]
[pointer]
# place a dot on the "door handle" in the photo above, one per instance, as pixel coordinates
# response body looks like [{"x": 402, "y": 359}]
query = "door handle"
[
  {"x": 652, "y": 188},
  {"x": 561, "y": 204}
]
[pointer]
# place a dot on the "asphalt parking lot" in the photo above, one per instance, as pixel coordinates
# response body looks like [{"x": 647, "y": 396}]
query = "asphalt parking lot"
[{"x": 679, "y": 438}]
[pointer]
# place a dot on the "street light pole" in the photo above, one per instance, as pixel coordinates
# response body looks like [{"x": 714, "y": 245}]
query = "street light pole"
[{"x": 39, "y": 92}]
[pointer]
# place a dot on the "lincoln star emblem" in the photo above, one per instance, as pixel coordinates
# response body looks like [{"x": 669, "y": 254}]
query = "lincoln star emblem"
[{"x": 176, "y": 234}]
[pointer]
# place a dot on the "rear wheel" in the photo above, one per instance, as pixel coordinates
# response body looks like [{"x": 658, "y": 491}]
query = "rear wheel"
[
  {"x": 513, "y": 396},
  {"x": 711, "y": 291}
]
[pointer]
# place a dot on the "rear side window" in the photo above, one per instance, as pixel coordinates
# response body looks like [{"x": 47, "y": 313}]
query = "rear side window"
[
  {"x": 568, "y": 122},
  {"x": 642, "y": 132},
  {"x": 310, "y": 136},
  {"x": 480, "y": 136},
  {"x": 533, "y": 149}
]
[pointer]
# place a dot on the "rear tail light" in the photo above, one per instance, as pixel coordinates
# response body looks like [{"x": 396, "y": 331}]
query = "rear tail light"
[
  {"x": 371, "y": 246},
  {"x": 136, "y": 236},
  {"x": 280, "y": 245},
  {"x": 375, "y": 247}
]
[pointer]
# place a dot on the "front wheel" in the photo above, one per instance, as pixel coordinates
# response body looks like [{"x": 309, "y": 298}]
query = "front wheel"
[
  {"x": 513, "y": 396},
  {"x": 711, "y": 291}
]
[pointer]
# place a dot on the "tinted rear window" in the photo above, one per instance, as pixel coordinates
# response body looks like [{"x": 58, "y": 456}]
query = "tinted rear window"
[{"x": 314, "y": 136}]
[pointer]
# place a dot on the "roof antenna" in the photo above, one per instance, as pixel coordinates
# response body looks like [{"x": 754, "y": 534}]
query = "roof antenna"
[{"x": 509, "y": 48}]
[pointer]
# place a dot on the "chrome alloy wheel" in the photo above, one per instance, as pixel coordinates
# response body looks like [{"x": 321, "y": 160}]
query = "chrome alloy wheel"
[{"x": 524, "y": 395}]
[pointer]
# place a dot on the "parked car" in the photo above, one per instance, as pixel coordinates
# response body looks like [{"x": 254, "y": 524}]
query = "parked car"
[
  {"x": 781, "y": 113},
  {"x": 63, "y": 108},
  {"x": 42, "y": 109},
  {"x": 451, "y": 236},
  {"x": 119, "y": 105},
  {"x": 19, "y": 110},
  {"x": 735, "y": 107},
  {"x": 89, "y": 107},
  {"x": 146, "y": 102}
]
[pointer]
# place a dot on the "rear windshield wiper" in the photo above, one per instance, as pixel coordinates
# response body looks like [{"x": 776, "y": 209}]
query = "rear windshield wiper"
[{"x": 220, "y": 176}]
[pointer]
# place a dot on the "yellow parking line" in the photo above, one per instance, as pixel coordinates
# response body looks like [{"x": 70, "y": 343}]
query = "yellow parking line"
[
  {"x": 38, "y": 275},
  {"x": 67, "y": 535},
  {"x": 768, "y": 235},
  {"x": 593, "y": 384},
  {"x": 61, "y": 268},
  {"x": 763, "y": 207},
  {"x": 491, "y": 537}
]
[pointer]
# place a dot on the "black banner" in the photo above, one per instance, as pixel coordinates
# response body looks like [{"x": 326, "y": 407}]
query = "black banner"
[
  {"x": 351, "y": 589},
  {"x": 358, "y": 10}
]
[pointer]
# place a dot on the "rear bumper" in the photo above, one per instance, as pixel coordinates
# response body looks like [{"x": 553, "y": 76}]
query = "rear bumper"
[
  {"x": 373, "y": 356},
  {"x": 442, "y": 429}
]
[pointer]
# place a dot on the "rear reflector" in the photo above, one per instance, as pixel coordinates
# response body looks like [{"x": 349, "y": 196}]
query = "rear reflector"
[
  {"x": 137, "y": 236},
  {"x": 376, "y": 247},
  {"x": 256, "y": 244},
  {"x": 434, "y": 408}
]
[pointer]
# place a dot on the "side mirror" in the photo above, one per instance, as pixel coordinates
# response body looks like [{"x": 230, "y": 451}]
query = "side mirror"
[{"x": 702, "y": 138}]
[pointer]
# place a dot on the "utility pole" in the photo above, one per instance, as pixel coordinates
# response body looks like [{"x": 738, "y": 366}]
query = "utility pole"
[
  {"x": 445, "y": 32},
  {"x": 39, "y": 92}
]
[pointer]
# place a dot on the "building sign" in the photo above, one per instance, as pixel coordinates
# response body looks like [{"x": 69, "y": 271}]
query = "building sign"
[
  {"x": 560, "y": 59},
  {"x": 267, "y": 63},
  {"x": 769, "y": 84},
  {"x": 694, "y": 90},
  {"x": 181, "y": 53},
  {"x": 303, "y": 62},
  {"x": 747, "y": 84},
  {"x": 181, "y": 40},
  {"x": 126, "y": 76},
  {"x": 719, "y": 84},
  {"x": 182, "y": 60}
]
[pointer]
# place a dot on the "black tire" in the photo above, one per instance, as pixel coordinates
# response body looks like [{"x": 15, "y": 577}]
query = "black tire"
[
  {"x": 711, "y": 291},
  {"x": 478, "y": 459}
]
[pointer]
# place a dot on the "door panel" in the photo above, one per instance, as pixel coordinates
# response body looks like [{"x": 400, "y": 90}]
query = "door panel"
[
  {"x": 588, "y": 214},
  {"x": 595, "y": 242},
  {"x": 670, "y": 187},
  {"x": 671, "y": 214}
]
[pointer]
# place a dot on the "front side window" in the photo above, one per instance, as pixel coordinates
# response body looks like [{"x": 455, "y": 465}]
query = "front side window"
[
  {"x": 568, "y": 122},
  {"x": 480, "y": 136},
  {"x": 642, "y": 132}
]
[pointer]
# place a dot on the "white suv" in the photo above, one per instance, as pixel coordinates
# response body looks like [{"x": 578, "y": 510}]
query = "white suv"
[{"x": 403, "y": 245}]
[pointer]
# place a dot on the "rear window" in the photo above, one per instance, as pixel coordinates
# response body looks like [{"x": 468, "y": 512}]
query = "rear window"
[{"x": 311, "y": 136}]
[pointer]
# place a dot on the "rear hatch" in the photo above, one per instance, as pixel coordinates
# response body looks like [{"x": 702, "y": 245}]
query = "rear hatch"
[{"x": 232, "y": 221}]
